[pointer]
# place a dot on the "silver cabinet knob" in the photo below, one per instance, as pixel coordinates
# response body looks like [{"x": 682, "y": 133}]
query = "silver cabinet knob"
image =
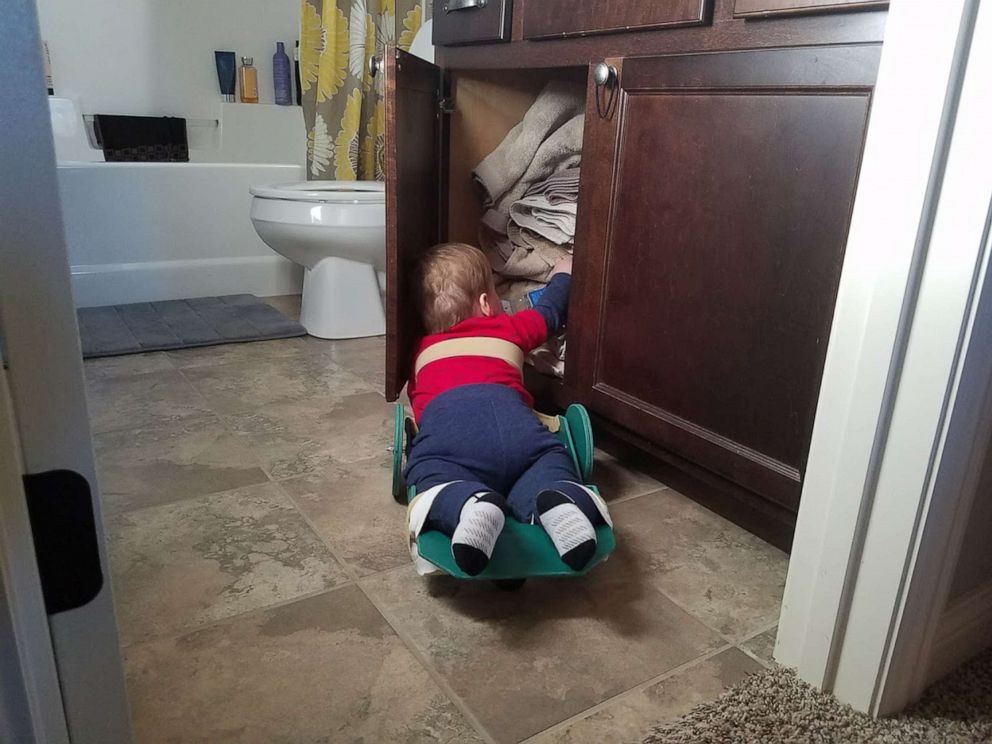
[
  {"x": 374, "y": 65},
  {"x": 607, "y": 81},
  {"x": 604, "y": 74}
]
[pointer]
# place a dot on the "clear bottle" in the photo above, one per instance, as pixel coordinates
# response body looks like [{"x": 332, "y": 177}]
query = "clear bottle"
[{"x": 248, "y": 76}]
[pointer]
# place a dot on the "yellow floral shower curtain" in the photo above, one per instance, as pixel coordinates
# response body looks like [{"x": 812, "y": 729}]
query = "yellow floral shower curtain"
[{"x": 342, "y": 104}]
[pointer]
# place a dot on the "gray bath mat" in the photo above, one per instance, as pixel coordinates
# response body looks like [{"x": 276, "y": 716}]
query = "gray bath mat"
[{"x": 179, "y": 324}]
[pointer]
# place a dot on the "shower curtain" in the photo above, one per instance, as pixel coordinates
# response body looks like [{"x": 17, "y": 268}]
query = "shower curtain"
[{"x": 343, "y": 107}]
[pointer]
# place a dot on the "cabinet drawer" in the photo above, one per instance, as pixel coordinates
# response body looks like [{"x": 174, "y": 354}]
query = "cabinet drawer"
[
  {"x": 471, "y": 21},
  {"x": 545, "y": 19},
  {"x": 751, "y": 8}
]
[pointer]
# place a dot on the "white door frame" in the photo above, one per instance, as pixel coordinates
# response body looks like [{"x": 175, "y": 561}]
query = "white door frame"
[
  {"x": 45, "y": 374},
  {"x": 31, "y": 701},
  {"x": 874, "y": 548}
]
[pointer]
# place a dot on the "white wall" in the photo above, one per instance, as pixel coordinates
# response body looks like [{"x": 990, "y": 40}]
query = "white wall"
[{"x": 156, "y": 57}]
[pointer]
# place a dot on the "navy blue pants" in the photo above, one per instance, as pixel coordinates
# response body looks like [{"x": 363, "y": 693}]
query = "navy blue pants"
[{"x": 486, "y": 438}]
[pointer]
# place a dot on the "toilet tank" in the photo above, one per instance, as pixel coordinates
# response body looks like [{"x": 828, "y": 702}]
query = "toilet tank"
[{"x": 69, "y": 131}]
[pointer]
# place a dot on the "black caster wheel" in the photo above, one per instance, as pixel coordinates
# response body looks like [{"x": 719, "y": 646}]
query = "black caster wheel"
[
  {"x": 399, "y": 495},
  {"x": 509, "y": 585}
]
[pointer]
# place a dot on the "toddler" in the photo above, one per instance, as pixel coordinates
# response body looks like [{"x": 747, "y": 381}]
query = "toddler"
[{"x": 481, "y": 452}]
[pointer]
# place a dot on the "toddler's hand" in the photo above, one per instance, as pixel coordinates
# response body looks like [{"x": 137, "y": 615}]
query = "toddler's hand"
[{"x": 562, "y": 266}]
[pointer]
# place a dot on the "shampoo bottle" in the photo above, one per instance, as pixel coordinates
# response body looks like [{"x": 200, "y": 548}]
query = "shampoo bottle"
[
  {"x": 296, "y": 65},
  {"x": 249, "y": 81},
  {"x": 280, "y": 76}
]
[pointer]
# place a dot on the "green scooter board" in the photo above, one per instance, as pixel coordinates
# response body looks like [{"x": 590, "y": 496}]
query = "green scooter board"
[{"x": 523, "y": 550}]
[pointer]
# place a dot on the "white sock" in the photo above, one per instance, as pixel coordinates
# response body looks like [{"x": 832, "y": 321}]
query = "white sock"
[
  {"x": 570, "y": 530},
  {"x": 479, "y": 526}
]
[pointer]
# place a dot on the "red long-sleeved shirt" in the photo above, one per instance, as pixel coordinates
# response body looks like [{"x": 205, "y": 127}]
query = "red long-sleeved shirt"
[{"x": 527, "y": 329}]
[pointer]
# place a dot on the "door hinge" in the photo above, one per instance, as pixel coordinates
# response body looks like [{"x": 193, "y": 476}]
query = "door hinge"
[
  {"x": 60, "y": 508},
  {"x": 446, "y": 105}
]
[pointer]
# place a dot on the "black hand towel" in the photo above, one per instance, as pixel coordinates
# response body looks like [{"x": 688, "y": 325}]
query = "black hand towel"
[{"x": 142, "y": 138}]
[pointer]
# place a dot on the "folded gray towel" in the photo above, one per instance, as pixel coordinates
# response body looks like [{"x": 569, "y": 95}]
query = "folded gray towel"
[
  {"x": 556, "y": 222},
  {"x": 562, "y": 186},
  {"x": 505, "y": 165}
]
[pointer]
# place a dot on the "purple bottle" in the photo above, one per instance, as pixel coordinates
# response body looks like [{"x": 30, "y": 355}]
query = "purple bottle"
[{"x": 281, "y": 76}]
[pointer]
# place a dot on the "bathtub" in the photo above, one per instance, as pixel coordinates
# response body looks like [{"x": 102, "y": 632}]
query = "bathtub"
[{"x": 138, "y": 232}]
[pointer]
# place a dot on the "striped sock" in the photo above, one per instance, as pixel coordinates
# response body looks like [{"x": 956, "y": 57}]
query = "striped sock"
[
  {"x": 570, "y": 530},
  {"x": 479, "y": 526}
]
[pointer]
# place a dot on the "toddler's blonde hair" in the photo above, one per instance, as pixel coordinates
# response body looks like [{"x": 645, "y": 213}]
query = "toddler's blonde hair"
[{"x": 450, "y": 277}]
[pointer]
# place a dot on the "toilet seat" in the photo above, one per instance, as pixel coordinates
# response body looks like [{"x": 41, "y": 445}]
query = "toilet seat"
[{"x": 324, "y": 192}]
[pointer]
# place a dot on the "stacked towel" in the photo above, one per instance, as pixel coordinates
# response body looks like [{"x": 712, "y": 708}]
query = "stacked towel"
[
  {"x": 532, "y": 258},
  {"x": 530, "y": 187},
  {"x": 547, "y": 209},
  {"x": 539, "y": 229},
  {"x": 504, "y": 168}
]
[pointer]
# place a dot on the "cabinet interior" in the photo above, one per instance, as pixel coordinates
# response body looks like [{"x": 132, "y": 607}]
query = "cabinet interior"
[{"x": 488, "y": 104}]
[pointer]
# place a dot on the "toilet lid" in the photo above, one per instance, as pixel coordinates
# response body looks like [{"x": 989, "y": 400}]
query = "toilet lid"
[{"x": 341, "y": 192}]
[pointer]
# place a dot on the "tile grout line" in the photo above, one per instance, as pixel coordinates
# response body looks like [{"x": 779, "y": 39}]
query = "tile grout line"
[
  {"x": 345, "y": 565},
  {"x": 725, "y": 638},
  {"x": 769, "y": 664},
  {"x": 562, "y": 725},
  {"x": 111, "y": 514},
  {"x": 222, "y": 417},
  {"x": 433, "y": 673},
  {"x": 631, "y": 497},
  {"x": 350, "y": 577},
  {"x": 243, "y": 613}
]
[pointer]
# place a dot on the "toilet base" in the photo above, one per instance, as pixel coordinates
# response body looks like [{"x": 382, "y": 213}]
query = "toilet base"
[{"x": 341, "y": 300}]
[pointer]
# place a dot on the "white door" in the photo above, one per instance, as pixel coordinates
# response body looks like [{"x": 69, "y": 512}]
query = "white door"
[
  {"x": 44, "y": 417},
  {"x": 906, "y": 397}
]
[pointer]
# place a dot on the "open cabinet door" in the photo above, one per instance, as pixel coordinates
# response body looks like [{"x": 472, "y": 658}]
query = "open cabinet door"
[{"x": 414, "y": 147}]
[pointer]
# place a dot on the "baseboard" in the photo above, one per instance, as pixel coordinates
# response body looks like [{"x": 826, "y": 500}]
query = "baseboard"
[
  {"x": 114, "y": 284},
  {"x": 965, "y": 630}
]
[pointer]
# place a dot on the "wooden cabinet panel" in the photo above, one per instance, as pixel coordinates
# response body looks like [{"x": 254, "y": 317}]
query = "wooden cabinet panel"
[
  {"x": 470, "y": 21},
  {"x": 556, "y": 18},
  {"x": 713, "y": 219},
  {"x": 745, "y": 8},
  {"x": 415, "y": 143}
]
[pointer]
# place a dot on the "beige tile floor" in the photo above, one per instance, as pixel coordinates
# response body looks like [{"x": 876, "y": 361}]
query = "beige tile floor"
[{"x": 264, "y": 592}]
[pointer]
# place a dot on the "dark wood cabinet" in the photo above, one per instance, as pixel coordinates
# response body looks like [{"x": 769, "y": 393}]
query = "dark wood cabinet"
[
  {"x": 758, "y": 8},
  {"x": 713, "y": 214},
  {"x": 562, "y": 18},
  {"x": 711, "y": 234},
  {"x": 470, "y": 21}
]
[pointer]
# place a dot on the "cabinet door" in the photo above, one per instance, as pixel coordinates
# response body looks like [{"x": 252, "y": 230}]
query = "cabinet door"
[
  {"x": 715, "y": 208},
  {"x": 414, "y": 144}
]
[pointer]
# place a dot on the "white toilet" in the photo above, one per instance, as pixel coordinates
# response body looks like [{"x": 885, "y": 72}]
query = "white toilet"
[{"x": 336, "y": 230}]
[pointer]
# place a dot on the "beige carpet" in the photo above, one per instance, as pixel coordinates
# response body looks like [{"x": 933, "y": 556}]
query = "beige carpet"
[{"x": 775, "y": 707}]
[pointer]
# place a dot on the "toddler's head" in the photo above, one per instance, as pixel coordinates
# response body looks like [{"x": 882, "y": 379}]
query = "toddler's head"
[{"x": 453, "y": 282}]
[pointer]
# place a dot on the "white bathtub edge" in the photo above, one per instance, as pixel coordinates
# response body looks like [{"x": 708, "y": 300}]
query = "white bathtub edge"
[{"x": 148, "y": 281}]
